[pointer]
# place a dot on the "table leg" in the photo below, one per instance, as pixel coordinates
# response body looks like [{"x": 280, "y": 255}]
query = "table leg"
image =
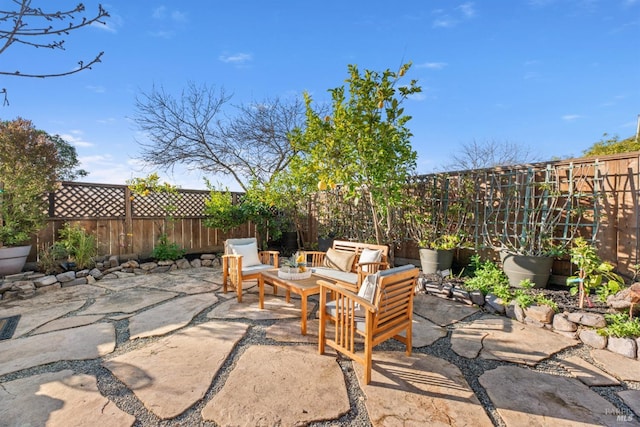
[
  {"x": 303, "y": 309},
  {"x": 261, "y": 291}
]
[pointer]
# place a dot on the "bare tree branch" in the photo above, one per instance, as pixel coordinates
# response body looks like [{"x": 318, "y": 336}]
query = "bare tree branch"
[
  {"x": 34, "y": 27},
  {"x": 192, "y": 130},
  {"x": 490, "y": 153}
]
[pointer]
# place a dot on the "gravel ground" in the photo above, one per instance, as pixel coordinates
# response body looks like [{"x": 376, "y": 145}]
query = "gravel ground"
[{"x": 472, "y": 369}]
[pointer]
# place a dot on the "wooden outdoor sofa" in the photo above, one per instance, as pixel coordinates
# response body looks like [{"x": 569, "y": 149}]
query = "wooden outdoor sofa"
[{"x": 348, "y": 263}]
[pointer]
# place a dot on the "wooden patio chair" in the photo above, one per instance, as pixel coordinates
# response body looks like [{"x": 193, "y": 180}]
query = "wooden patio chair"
[
  {"x": 242, "y": 261},
  {"x": 386, "y": 315}
]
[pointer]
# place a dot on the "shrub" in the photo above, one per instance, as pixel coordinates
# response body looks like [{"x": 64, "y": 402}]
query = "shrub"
[
  {"x": 487, "y": 277},
  {"x": 165, "y": 251},
  {"x": 80, "y": 246},
  {"x": 619, "y": 325}
]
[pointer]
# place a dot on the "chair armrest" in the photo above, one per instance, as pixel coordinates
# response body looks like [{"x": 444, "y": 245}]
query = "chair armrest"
[
  {"x": 382, "y": 265},
  {"x": 345, "y": 293},
  {"x": 374, "y": 267},
  {"x": 232, "y": 262},
  {"x": 266, "y": 256}
]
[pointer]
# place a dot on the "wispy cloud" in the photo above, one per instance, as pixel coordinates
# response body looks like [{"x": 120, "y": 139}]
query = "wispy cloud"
[
  {"x": 236, "y": 58},
  {"x": 96, "y": 89},
  {"x": 460, "y": 13},
  {"x": 161, "y": 13},
  {"x": 169, "y": 18},
  {"x": 178, "y": 16},
  {"x": 111, "y": 24},
  {"x": 432, "y": 65},
  {"x": 75, "y": 138},
  {"x": 571, "y": 117},
  {"x": 467, "y": 9},
  {"x": 162, "y": 34}
]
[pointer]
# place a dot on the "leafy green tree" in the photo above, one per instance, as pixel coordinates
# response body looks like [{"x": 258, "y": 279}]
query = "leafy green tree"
[
  {"x": 612, "y": 145},
  {"x": 68, "y": 156},
  {"x": 362, "y": 145},
  {"x": 29, "y": 166}
]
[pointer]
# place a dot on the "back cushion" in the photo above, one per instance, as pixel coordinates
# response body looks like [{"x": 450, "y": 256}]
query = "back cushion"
[
  {"x": 339, "y": 260},
  {"x": 369, "y": 255},
  {"x": 249, "y": 254}
]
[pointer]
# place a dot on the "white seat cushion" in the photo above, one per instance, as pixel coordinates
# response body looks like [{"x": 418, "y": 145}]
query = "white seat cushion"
[
  {"x": 256, "y": 268},
  {"x": 341, "y": 276}
]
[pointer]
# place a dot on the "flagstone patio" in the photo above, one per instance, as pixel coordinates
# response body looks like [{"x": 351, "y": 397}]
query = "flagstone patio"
[{"x": 172, "y": 349}]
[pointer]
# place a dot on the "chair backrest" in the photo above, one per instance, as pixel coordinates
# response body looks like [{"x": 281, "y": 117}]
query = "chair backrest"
[
  {"x": 357, "y": 247},
  {"x": 239, "y": 242},
  {"x": 394, "y": 296}
]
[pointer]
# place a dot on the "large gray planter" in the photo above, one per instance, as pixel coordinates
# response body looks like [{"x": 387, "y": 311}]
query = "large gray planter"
[
  {"x": 521, "y": 267},
  {"x": 434, "y": 260},
  {"x": 12, "y": 259}
]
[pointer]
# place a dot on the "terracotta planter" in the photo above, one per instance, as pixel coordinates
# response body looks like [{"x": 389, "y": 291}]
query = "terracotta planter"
[
  {"x": 521, "y": 267},
  {"x": 434, "y": 260},
  {"x": 12, "y": 259}
]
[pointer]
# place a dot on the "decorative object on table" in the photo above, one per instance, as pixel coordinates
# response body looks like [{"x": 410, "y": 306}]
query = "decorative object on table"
[{"x": 295, "y": 267}]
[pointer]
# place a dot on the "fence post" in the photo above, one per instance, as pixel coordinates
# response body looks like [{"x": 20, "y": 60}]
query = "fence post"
[{"x": 128, "y": 220}]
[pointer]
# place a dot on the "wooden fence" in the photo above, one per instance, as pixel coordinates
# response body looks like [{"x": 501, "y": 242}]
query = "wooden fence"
[{"x": 124, "y": 225}]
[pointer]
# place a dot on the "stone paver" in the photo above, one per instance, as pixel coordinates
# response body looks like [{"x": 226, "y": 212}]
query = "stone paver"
[
  {"x": 500, "y": 338},
  {"x": 128, "y": 301},
  {"x": 38, "y": 314},
  {"x": 170, "y": 375},
  {"x": 130, "y": 282},
  {"x": 280, "y": 386},
  {"x": 524, "y": 397},
  {"x": 441, "y": 311},
  {"x": 188, "y": 285},
  {"x": 289, "y": 331},
  {"x": 63, "y": 295},
  {"x": 619, "y": 366},
  {"x": 632, "y": 399},
  {"x": 58, "y": 399},
  {"x": 68, "y": 322},
  {"x": 86, "y": 342},
  {"x": 425, "y": 332},
  {"x": 420, "y": 390},
  {"x": 169, "y": 316},
  {"x": 275, "y": 308},
  {"x": 587, "y": 373}
]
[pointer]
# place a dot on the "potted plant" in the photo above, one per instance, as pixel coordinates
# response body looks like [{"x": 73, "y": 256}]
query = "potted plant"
[
  {"x": 29, "y": 166},
  {"x": 436, "y": 214},
  {"x": 437, "y": 255},
  {"x": 533, "y": 217}
]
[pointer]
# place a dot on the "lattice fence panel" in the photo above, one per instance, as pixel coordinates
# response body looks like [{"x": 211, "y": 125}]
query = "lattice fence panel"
[
  {"x": 83, "y": 201},
  {"x": 187, "y": 204}
]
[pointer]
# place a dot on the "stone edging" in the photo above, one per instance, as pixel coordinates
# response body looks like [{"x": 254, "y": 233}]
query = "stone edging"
[
  {"x": 578, "y": 325},
  {"x": 27, "y": 284}
]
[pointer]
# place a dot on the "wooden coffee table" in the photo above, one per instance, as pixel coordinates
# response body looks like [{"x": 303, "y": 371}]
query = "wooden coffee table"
[{"x": 304, "y": 288}]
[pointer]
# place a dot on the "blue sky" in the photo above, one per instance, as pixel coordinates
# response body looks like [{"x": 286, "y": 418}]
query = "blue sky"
[{"x": 553, "y": 75}]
